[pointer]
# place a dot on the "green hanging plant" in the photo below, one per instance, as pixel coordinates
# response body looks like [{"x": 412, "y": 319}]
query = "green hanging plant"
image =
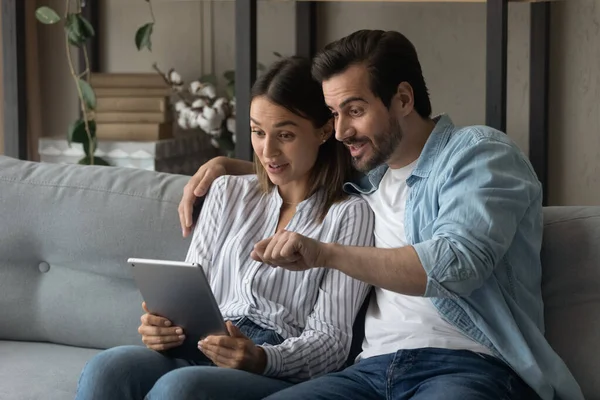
[{"x": 78, "y": 30}]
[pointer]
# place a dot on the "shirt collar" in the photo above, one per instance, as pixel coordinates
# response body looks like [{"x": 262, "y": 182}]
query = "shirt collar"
[
  {"x": 435, "y": 144},
  {"x": 312, "y": 203}
]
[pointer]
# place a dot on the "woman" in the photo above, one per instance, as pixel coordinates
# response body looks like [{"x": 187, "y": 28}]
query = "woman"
[{"x": 285, "y": 327}]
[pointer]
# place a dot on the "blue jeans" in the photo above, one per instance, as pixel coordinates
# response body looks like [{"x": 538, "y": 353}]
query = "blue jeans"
[
  {"x": 420, "y": 374},
  {"x": 136, "y": 372}
]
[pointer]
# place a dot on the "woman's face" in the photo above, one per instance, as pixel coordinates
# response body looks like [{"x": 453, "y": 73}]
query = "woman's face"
[{"x": 286, "y": 144}]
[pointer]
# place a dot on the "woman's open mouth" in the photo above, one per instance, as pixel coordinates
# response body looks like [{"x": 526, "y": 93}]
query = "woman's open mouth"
[{"x": 276, "y": 168}]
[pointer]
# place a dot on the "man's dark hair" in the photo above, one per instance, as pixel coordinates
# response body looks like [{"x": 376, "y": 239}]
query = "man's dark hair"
[{"x": 389, "y": 57}]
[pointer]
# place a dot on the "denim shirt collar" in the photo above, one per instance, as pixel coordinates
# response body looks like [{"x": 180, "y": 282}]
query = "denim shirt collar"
[{"x": 438, "y": 138}]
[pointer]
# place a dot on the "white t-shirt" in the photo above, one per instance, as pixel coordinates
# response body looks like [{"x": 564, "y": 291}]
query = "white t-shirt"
[{"x": 395, "y": 321}]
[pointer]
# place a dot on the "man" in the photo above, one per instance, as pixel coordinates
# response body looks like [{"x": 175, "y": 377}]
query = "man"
[{"x": 457, "y": 311}]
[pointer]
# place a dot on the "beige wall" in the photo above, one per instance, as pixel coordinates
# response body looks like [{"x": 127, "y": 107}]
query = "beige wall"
[
  {"x": 1, "y": 95},
  {"x": 58, "y": 91},
  {"x": 450, "y": 39}
]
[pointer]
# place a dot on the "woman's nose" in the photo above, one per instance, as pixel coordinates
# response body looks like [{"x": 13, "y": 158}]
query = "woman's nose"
[{"x": 271, "y": 148}]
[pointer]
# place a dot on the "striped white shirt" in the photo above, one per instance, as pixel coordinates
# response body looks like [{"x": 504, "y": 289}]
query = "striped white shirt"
[{"x": 312, "y": 310}]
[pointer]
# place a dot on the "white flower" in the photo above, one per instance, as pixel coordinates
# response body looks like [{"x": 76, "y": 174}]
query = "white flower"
[
  {"x": 209, "y": 91},
  {"x": 185, "y": 112},
  {"x": 220, "y": 105},
  {"x": 233, "y": 137},
  {"x": 193, "y": 119},
  {"x": 231, "y": 125},
  {"x": 182, "y": 121},
  {"x": 215, "y": 143},
  {"x": 198, "y": 103},
  {"x": 174, "y": 78},
  {"x": 195, "y": 87},
  {"x": 203, "y": 123},
  {"x": 215, "y": 132},
  {"x": 180, "y": 105},
  {"x": 209, "y": 113}
]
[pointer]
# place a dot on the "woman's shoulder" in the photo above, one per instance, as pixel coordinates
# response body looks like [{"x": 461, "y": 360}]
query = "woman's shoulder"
[
  {"x": 227, "y": 183},
  {"x": 351, "y": 204}
]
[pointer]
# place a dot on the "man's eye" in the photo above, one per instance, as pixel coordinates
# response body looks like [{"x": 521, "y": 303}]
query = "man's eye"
[{"x": 355, "y": 112}]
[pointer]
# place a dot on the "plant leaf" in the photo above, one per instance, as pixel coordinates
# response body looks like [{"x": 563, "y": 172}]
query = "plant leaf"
[
  {"x": 143, "y": 36},
  {"x": 277, "y": 54},
  {"x": 75, "y": 130},
  {"x": 77, "y": 133},
  {"x": 261, "y": 67},
  {"x": 86, "y": 146},
  {"x": 229, "y": 75},
  {"x": 97, "y": 161},
  {"x": 230, "y": 90},
  {"x": 89, "y": 97},
  {"x": 74, "y": 31},
  {"x": 209, "y": 78},
  {"x": 87, "y": 30},
  {"x": 226, "y": 144},
  {"x": 46, "y": 15}
]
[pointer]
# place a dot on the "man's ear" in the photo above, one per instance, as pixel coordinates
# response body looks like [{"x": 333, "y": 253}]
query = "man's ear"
[{"x": 404, "y": 99}]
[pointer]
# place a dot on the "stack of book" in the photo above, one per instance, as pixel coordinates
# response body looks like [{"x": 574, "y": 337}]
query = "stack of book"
[{"x": 132, "y": 107}]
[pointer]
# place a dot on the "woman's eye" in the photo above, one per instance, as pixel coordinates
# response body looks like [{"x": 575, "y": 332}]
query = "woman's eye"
[
  {"x": 286, "y": 135},
  {"x": 258, "y": 133}
]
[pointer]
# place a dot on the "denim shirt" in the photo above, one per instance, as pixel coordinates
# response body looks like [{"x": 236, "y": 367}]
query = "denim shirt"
[{"x": 474, "y": 217}]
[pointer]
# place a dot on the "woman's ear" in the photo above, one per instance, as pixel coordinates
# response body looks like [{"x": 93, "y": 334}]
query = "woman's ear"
[{"x": 327, "y": 131}]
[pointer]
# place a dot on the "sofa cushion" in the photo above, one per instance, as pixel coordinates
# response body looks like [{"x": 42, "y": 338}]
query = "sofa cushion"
[
  {"x": 31, "y": 371},
  {"x": 66, "y": 232},
  {"x": 571, "y": 290}
]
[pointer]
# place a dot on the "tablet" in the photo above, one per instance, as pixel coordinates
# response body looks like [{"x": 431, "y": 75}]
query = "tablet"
[{"x": 180, "y": 292}]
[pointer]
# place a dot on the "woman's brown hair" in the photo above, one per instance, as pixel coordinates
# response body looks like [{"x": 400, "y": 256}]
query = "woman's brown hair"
[{"x": 289, "y": 84}]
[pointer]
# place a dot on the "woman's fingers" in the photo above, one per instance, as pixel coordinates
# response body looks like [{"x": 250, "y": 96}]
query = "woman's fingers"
[
  {"x": 155, "y": 320},
  {"x": 152, "y": 340}
]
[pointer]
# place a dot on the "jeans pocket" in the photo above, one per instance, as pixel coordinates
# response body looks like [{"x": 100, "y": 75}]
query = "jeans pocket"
[
  {"x": 272, "y": 338},
  {"x": 517, "y": 389}
]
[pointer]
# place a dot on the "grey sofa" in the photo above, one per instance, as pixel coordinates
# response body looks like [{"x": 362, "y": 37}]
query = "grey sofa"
[{"x": 66, "y": 291}]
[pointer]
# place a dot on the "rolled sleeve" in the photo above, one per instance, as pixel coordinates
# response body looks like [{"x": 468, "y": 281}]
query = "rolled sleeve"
[{"x": 482, "y": 201}]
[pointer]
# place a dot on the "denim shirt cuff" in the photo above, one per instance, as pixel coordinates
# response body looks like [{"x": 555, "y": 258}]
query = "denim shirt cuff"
[
  {"x": 435, "y": 256},
  {"x": 274, "y": 360}
]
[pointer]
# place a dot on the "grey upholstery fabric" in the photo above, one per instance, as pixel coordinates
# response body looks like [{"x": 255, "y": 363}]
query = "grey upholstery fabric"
[
  {"x": 40, "y": 370},
  {"x": 571, "y": 290},
  {"x": 83, "y": 223},
  {"x": 67, "y": 230}
]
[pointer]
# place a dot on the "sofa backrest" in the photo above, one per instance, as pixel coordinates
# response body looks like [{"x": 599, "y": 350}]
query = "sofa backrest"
[
  {"x": 66, "y": 232},
  {"x": 571, "y": 290}
]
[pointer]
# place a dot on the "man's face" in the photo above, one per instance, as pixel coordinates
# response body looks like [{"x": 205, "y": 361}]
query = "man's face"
[{"x": 362, "y": 122}]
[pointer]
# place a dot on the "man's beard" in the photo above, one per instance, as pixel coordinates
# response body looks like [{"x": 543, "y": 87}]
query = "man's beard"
[{"x": 383, "y": 145}]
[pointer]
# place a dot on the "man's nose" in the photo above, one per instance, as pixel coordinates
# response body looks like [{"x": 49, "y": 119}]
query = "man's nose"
[{"x": 343, "y": 130}]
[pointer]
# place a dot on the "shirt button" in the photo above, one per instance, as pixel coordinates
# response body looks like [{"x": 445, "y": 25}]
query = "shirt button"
[{"x": 247, "y": 281}]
